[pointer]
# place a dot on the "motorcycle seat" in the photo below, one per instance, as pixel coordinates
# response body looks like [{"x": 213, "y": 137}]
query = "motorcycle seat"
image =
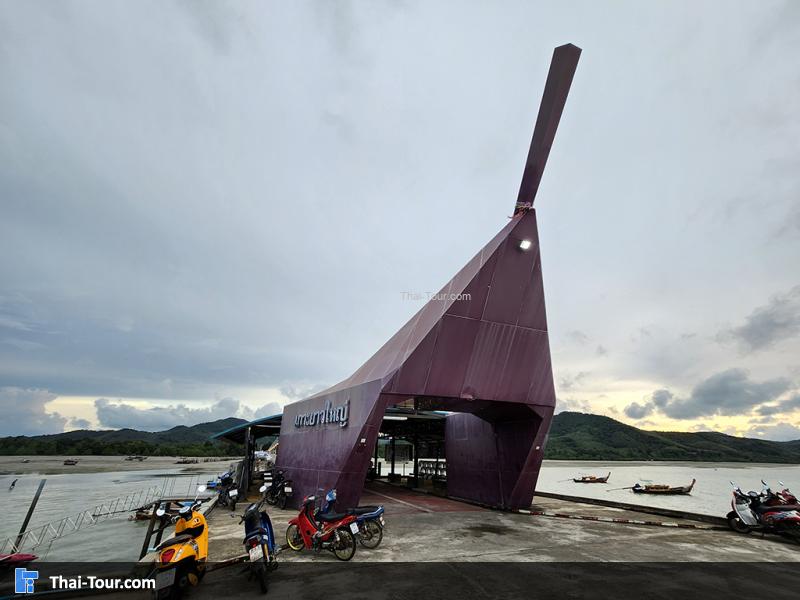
[
  {"x": 330, "y": 517},
  {"x": 178, "y": 539},
  {"x": 761, "y": 508},
  {"x": 361, "y": 510}
]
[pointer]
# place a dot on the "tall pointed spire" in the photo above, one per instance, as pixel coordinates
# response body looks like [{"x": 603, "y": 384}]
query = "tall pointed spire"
[{"x": 559, "y": 79}]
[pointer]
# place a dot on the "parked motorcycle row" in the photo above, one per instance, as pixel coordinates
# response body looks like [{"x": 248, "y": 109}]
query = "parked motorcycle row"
[
  {"x": 182, "y": 559},
  {"x": 767, "y": 511}
]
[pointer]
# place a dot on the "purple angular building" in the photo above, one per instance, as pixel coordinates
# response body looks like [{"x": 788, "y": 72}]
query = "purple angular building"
[{"x": 479, "y": 349}]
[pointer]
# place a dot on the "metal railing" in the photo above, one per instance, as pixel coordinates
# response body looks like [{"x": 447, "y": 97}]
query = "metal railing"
[{"x": 183, "y": 486}]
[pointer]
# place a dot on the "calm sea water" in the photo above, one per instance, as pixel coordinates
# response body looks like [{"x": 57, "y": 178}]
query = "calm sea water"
[
  {"x": 115, "y": 539},
  {"x": 711, "y": 494},
  {"x": 120, "y": 539}
]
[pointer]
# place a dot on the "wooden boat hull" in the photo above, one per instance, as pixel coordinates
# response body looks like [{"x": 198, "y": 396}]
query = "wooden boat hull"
[
  {"x": 684, "y": 489},
  {"x": 593, "y": 479}
]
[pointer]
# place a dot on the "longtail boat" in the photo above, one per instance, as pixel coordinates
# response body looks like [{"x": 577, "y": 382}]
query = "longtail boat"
[
  {"x": 591, "y": 478},
  {"x": 663, "y": 489}
]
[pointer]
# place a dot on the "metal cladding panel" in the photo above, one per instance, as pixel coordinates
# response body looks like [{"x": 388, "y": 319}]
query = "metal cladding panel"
[
  {"x": 390, "y": 357},
  {"x": 513, "y": 273},
  {"x": 411, "y": 377},
  {"x": 319, "y": 456},
  {"x": 496, "y": 463},
  {"x": 477, "y": 290},
  {"x": 451, "y": 355},
  {"x": 533, "y": 313},
  {"x": 471, "y": 454}
]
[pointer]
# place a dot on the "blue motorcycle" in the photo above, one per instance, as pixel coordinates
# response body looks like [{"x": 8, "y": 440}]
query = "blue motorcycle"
[
  {"x": 368, "y": 518},
  {"x": 259, "y": 543}
]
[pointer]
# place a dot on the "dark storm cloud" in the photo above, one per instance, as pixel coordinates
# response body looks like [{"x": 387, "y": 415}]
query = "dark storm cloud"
[
  {"x": 22, "y": 412},
  {"x": 728, "y": 393},
  {"x": 768, "y": 325}
]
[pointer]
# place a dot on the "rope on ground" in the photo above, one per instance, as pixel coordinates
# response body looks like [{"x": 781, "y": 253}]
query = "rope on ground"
[{"x": 543, "y": 513}]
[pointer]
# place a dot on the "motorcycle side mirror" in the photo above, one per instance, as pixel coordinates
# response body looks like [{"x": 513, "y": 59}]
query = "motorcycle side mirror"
[
  {"x": 201, "y": 489},
  {"x": 780, "y": 483},
  {"x": 160, "y": 512},
  {"x": 262, "y": 489}
]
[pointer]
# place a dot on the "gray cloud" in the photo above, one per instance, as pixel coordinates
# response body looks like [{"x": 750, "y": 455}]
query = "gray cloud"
[
  {"x": 782, "y": 432},
  {"x": 22, "y": 412},
  {"x": 572, "y": 405},
  {"x": 638, "y": 411},
  {"x": 768, "y": 325},
  {"x": 268, "y": 410},
  {"x": 786, "y": 406},
  {"x": 300, "y": 391},
  {"x": 200, "y": 196},
  {"x": 601, "y": 350},
  {"x": 727, "y": 393},
  {"x": 569, "y": 381},
  {"x": 76, "y": 423},
  {"x": 117, "y": 415}
]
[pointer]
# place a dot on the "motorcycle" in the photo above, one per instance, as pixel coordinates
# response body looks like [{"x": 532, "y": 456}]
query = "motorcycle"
[
  {"x": 182, "y": 558},
  {"x": 336, "y": 533},
  {"x": 368, "y": 518},
  {"x": 259, "y": 543},
  {"x": 779, "y": 498},
  {"x": 752, "y": 511},
  {"x": 228, "y": 493},
  {"x": 279, "y": 491}
]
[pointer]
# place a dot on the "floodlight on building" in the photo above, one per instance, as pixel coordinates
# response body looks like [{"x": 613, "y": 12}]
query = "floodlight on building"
[
  {"x": 525, "y": 245},
  {"x": 394, "y": 418}
]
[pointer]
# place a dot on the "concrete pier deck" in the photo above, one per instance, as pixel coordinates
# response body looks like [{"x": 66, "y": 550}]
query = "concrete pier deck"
[{"x": 423, "y": 527}]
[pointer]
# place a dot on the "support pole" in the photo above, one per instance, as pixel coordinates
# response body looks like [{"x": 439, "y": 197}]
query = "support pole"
[
  {"x": 150, "y": 526},
  {"x": 27, "y": 520},
  {"x": 393, "y": 452},
  {"x": 416, "y": 459}
]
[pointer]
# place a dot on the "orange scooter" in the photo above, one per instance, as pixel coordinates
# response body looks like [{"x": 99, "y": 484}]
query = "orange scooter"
[{"x": 182, "y": 558}]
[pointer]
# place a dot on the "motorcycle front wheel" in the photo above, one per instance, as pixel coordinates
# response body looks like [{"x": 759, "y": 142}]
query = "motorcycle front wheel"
[
  {"x": 282, "y": 502},
  {"x": 371, "y": 535},
  {"x": 293, "y": 538},
  {"x": 735, "y": 523},
  {"x": 345, "y": 546}
]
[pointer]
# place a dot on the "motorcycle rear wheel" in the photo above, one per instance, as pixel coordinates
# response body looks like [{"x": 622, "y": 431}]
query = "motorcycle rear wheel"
[
  {"x": 371, "y": 536},
  {"x": 735, "y": 523},
  {"x": 345, "y": 547},
  {"x": 293, "y": 538}
]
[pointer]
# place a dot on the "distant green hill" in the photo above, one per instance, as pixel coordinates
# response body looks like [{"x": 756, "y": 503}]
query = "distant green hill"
[
  {"x": 593, "y": 437},
  {"x": 178, "y": 441},
  {"x": 576, "y": 436}
]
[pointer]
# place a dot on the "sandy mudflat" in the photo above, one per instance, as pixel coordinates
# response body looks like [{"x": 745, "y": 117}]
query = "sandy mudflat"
[{"x": 100, "y": 464}]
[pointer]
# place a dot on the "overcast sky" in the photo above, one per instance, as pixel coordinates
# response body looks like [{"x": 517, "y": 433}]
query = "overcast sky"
[{"x": 214, "y": 208}]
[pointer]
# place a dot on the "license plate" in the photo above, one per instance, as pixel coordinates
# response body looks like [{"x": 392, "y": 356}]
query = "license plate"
[
  {"x": 165, "y": 579},
  {"x": 256, "y": 553},
  {"x": 354, "y": 528},
  {"x": 287, "y": 489}
]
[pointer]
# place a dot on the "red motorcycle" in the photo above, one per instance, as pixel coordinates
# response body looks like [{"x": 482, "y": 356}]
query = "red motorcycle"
[
  {"x": 752, "y": 511},
  {"x": 336, "y": 532},
  {"x": 782, "y": 497}
]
